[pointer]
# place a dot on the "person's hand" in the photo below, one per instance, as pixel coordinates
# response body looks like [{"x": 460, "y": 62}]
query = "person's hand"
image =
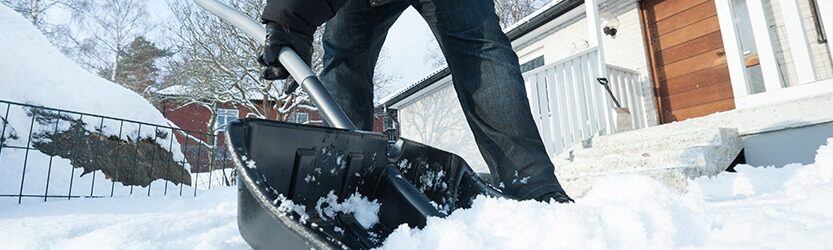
[{"x": 277, "y": 37}]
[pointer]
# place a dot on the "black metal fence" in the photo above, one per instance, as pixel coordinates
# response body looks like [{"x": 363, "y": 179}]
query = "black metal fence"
[{"x": 48, "y": 153}]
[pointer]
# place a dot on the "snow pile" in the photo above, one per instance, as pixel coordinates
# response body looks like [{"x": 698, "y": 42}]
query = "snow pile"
[
  {"x": 205, "y": 222},
  {"x": 365, "y": 211},
  {"x": 34, "y": 72},
  {"x": 781, "y": 208}
]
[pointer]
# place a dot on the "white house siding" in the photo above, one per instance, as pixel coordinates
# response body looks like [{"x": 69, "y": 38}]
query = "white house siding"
[
  {"x": 626, "y": 50},
  {"x": 437, "y": 119}
]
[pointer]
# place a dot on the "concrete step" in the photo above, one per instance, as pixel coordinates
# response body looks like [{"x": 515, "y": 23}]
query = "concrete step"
[
  {"x": 649, "y": 138},
  {"x": 671, "y": 157},
  {"x": 642, "y": 147},
  {"x": 705, "y": 157}
]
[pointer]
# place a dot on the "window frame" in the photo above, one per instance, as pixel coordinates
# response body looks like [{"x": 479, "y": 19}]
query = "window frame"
[{"x": 224, "y": 115}]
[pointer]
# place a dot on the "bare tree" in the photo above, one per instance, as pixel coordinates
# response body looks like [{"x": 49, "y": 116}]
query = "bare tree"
[
  {"x": 104, "y": 28},
  {"x": 34, "y": 10},
  {"x": 382, "y": 82},
  {"x": 511, "y": 11},
  {"x": 37, "y": 11},
  {"x": 216, "y": 62}
]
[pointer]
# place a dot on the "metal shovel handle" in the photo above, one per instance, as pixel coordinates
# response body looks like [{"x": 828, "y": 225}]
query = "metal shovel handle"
[
  {"x": 290, "y": 60},
  {"x": 604, "y": 82}
]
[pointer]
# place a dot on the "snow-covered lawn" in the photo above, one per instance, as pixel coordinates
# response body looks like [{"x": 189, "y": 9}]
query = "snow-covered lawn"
[
  {"x": 208, "y": 221},
  {"x": 781, "y": 208}
]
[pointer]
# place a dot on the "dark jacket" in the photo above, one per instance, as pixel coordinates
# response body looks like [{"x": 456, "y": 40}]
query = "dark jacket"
[{"x": 301, "y": 15}]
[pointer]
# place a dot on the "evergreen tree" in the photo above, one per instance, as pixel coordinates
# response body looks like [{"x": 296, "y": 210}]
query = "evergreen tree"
[{"x": 138, "y": 65}]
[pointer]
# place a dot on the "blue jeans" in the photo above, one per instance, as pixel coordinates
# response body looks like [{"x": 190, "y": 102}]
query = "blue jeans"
[{"x": 486, "y": 75}]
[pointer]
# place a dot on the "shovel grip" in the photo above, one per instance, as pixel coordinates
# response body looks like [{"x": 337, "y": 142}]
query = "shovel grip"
[
  {"x": 290, "y": 60},
  {"x": 604, "y": 82}
]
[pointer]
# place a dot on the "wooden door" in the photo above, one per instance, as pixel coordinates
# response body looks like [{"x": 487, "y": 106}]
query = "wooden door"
[{"x": 691, "y": 77}]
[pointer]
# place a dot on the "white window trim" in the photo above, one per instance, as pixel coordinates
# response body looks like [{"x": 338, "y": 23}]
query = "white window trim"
[{"x": 224, "y": 113}]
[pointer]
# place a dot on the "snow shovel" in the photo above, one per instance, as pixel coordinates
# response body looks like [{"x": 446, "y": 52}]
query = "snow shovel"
[
  {"x": 303, "y": 187},
  {"x": 623, "y": 115}
]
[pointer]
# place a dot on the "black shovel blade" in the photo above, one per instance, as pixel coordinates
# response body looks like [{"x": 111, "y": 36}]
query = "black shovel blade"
[{"x": 279, "y": 162}]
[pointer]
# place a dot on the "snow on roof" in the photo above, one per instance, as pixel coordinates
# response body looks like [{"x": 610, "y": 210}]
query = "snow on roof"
[
  {"x": 412, "y": 85},
  {"x": 176, "y": 90},
  {"x": 185, "y": 90},
  {"x": 443, "y": 71}
]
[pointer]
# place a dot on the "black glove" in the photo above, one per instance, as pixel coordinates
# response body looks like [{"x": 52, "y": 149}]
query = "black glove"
[{"x": 277, "y": 37}]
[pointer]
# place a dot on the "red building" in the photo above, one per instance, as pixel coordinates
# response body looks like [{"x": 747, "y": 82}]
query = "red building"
[{"x": 203, "y": 142}]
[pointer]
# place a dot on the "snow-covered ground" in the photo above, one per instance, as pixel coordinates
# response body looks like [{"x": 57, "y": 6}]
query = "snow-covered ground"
[
  {"x": 208, "y": 221},
  {"x": 756, "y": 208}
]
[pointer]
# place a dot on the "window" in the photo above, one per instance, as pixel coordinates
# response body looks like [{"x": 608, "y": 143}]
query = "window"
[
  {"x": 224, "y": 117},
  {"x": 299, "y": 117},
  {"x": 533, "y": 64}
]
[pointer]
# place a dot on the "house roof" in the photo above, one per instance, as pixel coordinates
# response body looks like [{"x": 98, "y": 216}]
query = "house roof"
[{"x": 545, "y": 14}]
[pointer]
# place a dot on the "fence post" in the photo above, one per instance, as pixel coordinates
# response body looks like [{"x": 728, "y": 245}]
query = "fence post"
[
  {"x": 26, "y": 157},
  {"x": 172, "y": 135},
  {"x": 49, "y": 170},
  {"x": 199, "y": 165},
  {"x": 186, "y": 163},
  {"x": 5, "y": 122},
  {"x": 152, "y": 160},
  {"x": 72, "y": 168},
  {"x": 97, "y": 151},
  {"x": 135, "y": 157},
  {"x": 113, "y": 184}
]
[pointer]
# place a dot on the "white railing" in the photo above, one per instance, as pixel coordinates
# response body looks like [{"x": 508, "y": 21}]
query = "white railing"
[
  {"x": 763, "y": 51},
  {"x": 569, "y": 105}
]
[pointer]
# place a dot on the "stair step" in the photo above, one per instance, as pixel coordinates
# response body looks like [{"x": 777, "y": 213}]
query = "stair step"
[
  {"x": 694, "y": 156},
  {"x": 711, "y": 136}
]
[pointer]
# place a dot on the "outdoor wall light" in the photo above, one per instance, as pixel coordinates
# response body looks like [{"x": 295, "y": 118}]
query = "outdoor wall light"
[{"x": 610, "y": 24}]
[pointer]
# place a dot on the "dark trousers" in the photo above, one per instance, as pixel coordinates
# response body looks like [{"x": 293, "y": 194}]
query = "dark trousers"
[{"x": 486, "y": 76}]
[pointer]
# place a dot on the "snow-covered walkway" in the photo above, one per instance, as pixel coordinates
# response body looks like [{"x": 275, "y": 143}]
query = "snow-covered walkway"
[{"x": 770, "y": 208}]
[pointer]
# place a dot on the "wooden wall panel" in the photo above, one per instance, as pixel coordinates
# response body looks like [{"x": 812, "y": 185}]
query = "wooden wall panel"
[{"x": 687, "y": 58}]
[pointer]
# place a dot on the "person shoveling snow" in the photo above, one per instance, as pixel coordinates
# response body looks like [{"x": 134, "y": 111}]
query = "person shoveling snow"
[{"x": 485, "y": 69}]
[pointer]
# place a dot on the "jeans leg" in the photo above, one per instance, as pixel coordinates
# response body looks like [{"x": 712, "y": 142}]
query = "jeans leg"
[
  {"x": 352, "y": 42},
  {"x": 491, "y": 90}
]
